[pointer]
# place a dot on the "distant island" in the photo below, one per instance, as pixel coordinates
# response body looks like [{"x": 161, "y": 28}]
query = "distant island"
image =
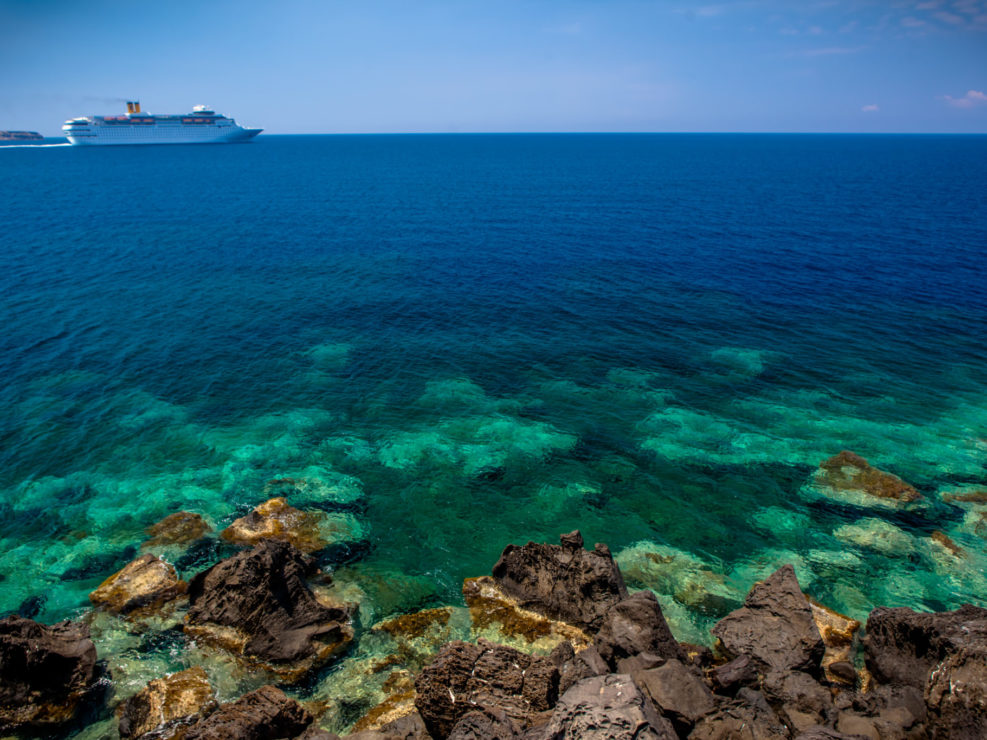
[{"x": 20, "y": 136}]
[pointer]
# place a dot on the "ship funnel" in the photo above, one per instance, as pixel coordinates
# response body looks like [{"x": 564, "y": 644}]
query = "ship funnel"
[
  {"x": 133, "y": 106},
  {"x": 137, "y": 107},
  {"x": 130, "y": 107}
]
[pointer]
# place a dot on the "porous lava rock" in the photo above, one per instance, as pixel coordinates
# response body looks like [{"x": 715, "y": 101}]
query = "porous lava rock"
[
  {"x": 775, "y": 627},
  {"x": 633, "y": 626},
  {"x": 257, "y": 604},
  {"x": 943, "y": 654},
  {"x": 275, "y": 519},
  {"x": 46, "y": 673},
  {"x": 140, "y": 587},
  {"x": 563, "y": 581},
  {"x": 167, "y": 706},
  {"x": 849, "y": 474},
  {"x": 609, "y": 707},
  {"x": 264, "y": 714},
  {"x": 180, "y": 528},
  {"x": 408, "y": 727},
  {"x": 484, "y": 677},
  {"x": 748, "y": 716},
  {"x": 903, "y": 646}
]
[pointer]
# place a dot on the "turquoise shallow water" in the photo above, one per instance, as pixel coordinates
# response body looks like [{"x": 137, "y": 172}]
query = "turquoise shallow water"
[{"x": 464, "y": 341}]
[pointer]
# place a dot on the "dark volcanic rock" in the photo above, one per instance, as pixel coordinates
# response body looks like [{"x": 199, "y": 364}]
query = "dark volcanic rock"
[
  {"x": 957, "y": 696},
  {"x": 903, "y": 646},
  {"x": 258, "y": 604},
  {"x": 574, "y": 667},
  {"x": 264, "y": 714},
  {"x": 634, "y": 626},
  {"x": 487, "y": 678},
  {"x": 564, "y": 581},
  {"x": 166, "y": 706},
  {"x": 678, "y": 692},
  {"x": 45, "y": 672},
  {"x": 747, "y": 716},
  {"x": 799, "y": 699},
  {"x": 489, "y": 725},
  {"x": 775, "y": 627},
  {"x": 729, "y": 677},
  {"x": 609, "y": 707}
]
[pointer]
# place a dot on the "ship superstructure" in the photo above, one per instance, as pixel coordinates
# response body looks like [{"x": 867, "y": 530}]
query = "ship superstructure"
[{"x": 202, "y": 126}]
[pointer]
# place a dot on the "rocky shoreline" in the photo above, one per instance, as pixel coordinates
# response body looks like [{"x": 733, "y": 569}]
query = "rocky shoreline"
[{"x": 560, "y": 649}]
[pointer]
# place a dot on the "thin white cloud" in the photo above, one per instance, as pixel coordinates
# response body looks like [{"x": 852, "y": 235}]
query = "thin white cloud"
[
  {"x": 872, "y": 108},
  {"x": 951, "y": 18},
  {"x": 972, "y": 98},
  {"x": 910, "y": 21},
  {"x": 827, "y": 51}
]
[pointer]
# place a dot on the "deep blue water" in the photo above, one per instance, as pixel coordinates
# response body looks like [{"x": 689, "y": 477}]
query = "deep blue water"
[{"x": 473, "y": 340}]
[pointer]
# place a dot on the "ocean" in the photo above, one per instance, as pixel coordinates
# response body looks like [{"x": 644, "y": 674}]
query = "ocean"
[{"x": 463, "y": 341}]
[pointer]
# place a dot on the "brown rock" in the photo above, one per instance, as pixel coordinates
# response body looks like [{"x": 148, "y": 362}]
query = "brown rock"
[
  {"x": 276, "y": 520},
  {"x": 848, "y": 471},
  {"x": 179, "y": 528},
  {"x": 903, "y": 647},
  {"x": 257, "y": 604},
  {"x": 142, "y": 586},
  {"x": 167, "y": 706},
  {"x": 748, "y": 716},
  {"x": 562, "y": 581},
  {"x": 483, "y": 677},
  {"x": 775, "y": 627},
  {"x": 46, "y": 673},
  {"x": 678, "y": 692},
  {"x": 610, "y": 707},
  {"x": 633, "y": 626},
  {"x": 264, "y": 714}
]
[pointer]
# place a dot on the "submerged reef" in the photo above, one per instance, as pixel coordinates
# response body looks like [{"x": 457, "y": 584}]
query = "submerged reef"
[{"x": 553, "y": 645}]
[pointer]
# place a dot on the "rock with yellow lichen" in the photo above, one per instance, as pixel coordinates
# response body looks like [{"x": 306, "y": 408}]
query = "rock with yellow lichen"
[
  {"x": 167, "y": 706},
  {"x": 141, "y": 587},
  {"x": 849, "y": 478}
]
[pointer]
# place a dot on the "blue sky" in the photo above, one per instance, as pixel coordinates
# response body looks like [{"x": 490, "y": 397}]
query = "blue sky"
[{"x": 504, "y": 65}]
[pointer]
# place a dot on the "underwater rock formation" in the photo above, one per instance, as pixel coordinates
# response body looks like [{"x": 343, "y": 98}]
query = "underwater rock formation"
[
  {"x": 46, "y": 673},
  {"x": 276, "y": 520},
  {"x": 497, "y": 616},
  {"x": 562, "y": 581},
  {"x": 849, "y": 477},
  {"x": 257, "y": 604},
  {"x": 180, "y": 528},
  {"x": 167, "y": 706},
  {"x": 140, "y": 587}
]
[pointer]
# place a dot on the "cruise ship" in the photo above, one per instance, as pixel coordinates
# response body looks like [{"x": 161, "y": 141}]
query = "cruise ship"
[{"x": 201, "y": 126}]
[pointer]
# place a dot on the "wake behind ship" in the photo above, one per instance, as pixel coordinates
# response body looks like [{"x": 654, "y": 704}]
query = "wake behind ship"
[{"x": 201, "y": 126}]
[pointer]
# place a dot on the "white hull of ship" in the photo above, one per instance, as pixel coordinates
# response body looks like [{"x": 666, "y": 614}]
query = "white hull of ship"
[{"x": 160, "y": 134}]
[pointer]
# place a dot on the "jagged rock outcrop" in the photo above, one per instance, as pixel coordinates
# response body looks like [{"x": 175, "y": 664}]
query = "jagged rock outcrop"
[
  {"x": 633, "y": 626},
  {"x": 563, "y": 581},
  {"x": 142, "y": 586},
  {"x": 942, "y": 654},
  {"x": 264, "y": 714},
  {"x": 609, "y": 707},
  {"x": 678, "y": 692},
  {"x": 257, "y": 604},
  {"x": 747, "y": 716},
  {"x": 167, "y": 706},
  {"x": 775, "y": 627},
  {"x": 485, "y": 677},
  {"x": 46, "y": 673}
]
